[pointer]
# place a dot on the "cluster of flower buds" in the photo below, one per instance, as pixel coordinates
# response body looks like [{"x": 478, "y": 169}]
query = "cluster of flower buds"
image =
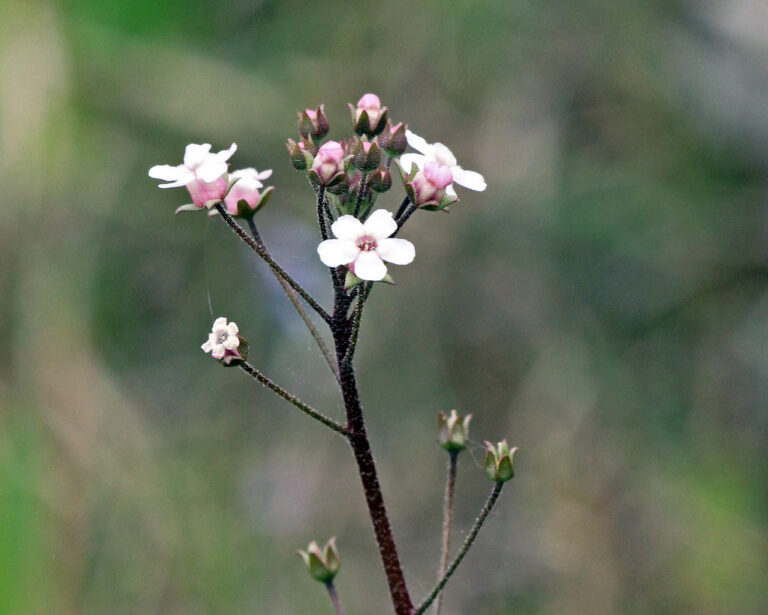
[
  {"x": 225, "y": 343},
  {"x": 499, "y": 461},
  {"x": 453, "y": 431},
  {"x": 205, "y": 176},
  {"x": 323, "y": 564}
]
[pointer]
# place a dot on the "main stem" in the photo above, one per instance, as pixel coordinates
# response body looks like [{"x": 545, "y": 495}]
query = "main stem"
[
  {"x": 335, "y": 601},
  {"x": 450, "y": 489},
  {"x": 358, "y": 440}
]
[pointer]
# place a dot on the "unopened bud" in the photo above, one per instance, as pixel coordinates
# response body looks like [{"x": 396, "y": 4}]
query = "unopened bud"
[
  {"x": 313, "y": 123},
  {"x": 380, "y": 180},
  {"x": 453, "y": 430},
  {"x": 368, "y": 117},
  {"x": 393, "y": 139},
  {"x": 323, "y": 564},
  {"x": 366, "y": 155},
  {"x": 499, "y": 461}
]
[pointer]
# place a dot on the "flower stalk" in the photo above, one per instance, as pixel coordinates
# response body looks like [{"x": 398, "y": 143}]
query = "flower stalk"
[{"x": 445, "y": 547}]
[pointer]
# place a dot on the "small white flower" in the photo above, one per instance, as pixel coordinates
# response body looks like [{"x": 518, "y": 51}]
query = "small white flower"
[
  {"x": 222, "y": 339},
  {"x": 199, "y": 163},
  {"x": 365, "y": 246},
  {"x": 442, "y": 155}
]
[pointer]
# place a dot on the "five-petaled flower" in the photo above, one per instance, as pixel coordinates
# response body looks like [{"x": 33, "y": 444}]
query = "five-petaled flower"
[
  {"x": 223, "y": 340},
  {"x": 365, "y": 246},
  {"x": 437, "y": 152},
  {"x": 203, "y": 173},
  {"x": 246, "y": 189}
]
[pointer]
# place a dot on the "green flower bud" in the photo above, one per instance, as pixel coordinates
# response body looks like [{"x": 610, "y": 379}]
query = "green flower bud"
[
  {"x": 453, "y": 431},
  {"x": 499, "y": 465},
  {"x": 323, "y": 564}
]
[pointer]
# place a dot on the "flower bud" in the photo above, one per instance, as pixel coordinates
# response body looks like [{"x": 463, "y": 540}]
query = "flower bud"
[
  {"x": 393, "y": 139},
  {"x": 207, "y": 194},
  {"x": 499, "y": 465},
  {"x": 313, "y": 123},
  {"x": 244, "y": 198},
  {"x": 225, "y": 344},
  {"x": 369, "y": 117},
  {"x": 366, "y": 155},
  {"x": 453, "y": 431},
  {"x": 380, "y": 180},
  {"x": 301, "y": 153},
  {"x": 323, "y": 564},
  {"x": 328, "y": 166},
  {"x": 427, "y": 187}
]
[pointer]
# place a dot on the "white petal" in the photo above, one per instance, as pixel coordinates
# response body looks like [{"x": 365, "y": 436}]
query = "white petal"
[
  {"x": 211, "y": 170},
  {"x": 185, "y": 176},
  {"x": 335, "y": 252},
  {"x": 232, "y": 329},
  {"x": 231, "y": 342},
  {"x": 218, "y": 352},
  {"x": 443, "y": 155},
  {"x": 450, "y": 191},
  {"x": 166, "y": 172},
  {"x": 264, "y": 174},
  {"x": 397, "y": 251},
  {"x": 380, "y": 224},
  {"x": 468, "y": 179},
  {"x": 368, "y": 266},
  {"x": 226, "y": 154},
  {"x": 406, "y": 161},
  {"x": 220, "y": 323},
  {"x": 195, "y": 154},
  {"x": 207, "y": 347},
  {"x": 418, "y": 143},
  {"x": 348, "y": 228}
]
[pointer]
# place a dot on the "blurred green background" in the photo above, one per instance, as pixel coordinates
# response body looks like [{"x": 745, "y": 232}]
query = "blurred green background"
[{"x": 604, "y": 305}]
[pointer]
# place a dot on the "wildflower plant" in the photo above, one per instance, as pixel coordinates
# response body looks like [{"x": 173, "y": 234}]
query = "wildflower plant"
[{"x": 358, "y": 240}]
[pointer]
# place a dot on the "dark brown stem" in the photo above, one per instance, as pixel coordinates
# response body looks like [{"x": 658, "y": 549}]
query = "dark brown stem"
[
  {"x": 361, "y": 448},
  {"x": 321, "y": 212},
  {"x": 273, "y": 386},
  {"x": 261, "y": 251},
  {"x": 334, "y": 598},
  {"x": 450, "y": 488},
  {"x": 489, "y": 503}
]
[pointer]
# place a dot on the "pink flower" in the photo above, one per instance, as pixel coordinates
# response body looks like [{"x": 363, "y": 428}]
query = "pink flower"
[
  {"x": 223, "y": 340},
  {"x": 365, "y": 246},
  {"x": 329, "y": 161},
  {"x": 371, "y": 104},
  {"x": 246, "y": 189},
  {"x": 429, "y": 183},
  {"x": 202, "y": 173}
]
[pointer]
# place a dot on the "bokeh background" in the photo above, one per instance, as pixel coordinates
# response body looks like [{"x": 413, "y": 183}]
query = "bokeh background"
[{"x": 604, "y": 305}]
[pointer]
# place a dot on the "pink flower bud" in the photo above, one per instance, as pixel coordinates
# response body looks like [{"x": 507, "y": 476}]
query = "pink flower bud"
[
  {"x": 430, "y": 182},
  {"x": 371, "y": 104},
  {"x": 202, "y": 192},
  {"x": 329, "y": 161}
]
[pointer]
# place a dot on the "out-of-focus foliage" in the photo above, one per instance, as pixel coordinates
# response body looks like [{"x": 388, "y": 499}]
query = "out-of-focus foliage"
[{"x": 604, "y": 306}]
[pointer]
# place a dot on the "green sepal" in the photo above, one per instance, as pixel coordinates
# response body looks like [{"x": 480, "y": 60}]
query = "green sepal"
[
  {"x": 187, "y": 207},
  {"x": 351, "y": 280}
]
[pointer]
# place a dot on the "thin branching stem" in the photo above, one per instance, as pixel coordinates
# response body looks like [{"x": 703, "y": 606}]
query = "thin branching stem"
[
  {"x": 404, "y": 218},
  {"x": 356, "y": 316},
  {"x": 305, "y": 408},
  {"x": 402, "y": 208},
  {"x": 321, "y": 213},
  {"x": 289, "y": 292},
  {"x": 361, "y": 194},
  {"x": 489, "y": 503},
  {"x": 259, "y": 249},
  {"x": 445, "y": 547},
  {"x": 334, "y": 598}
]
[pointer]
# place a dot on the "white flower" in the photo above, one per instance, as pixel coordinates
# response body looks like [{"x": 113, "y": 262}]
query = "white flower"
[
  {"x": 441, "y": 154},
  {"x": 365, "y": 246},
  {"x": 222, "y": 339},
  {"x": 199, "y": 163}
]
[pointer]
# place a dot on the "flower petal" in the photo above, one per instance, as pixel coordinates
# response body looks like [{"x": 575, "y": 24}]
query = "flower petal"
[
  {"x": 418, "y": 143},
  {"x": 397, "y": 251},
  {"x": 226, "y": 154},
  {"x": 335, "y": 252},
  {"x": 220, "y": 323},
  {"x": 218, "y": 352},
  {"x": 207, "y": 347},
  {"x": 195, "y": 155},
  {"x": 407, "y": 161},
  {"x": 264, "y": 174},
  {"x": 211, "y": 170},
  {"x": 166, "y": 172},
  {"x": 469, "y": 179},
  {"x": 369, "y": 266},
  {"x": 348, "y": 228},
  {"x": 380, "y": 224}
]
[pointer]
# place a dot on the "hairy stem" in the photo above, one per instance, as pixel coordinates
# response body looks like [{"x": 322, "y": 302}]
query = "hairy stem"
[
  {"x": 334, "y": 598},
  {"x": 261, "y": 251},
  {"x": 489, "y": 503},
  {"x": 309, "y": 410},
  {"x": 358, "y": 440},
  {"x": 298, "y": 307},
  {"x": 321, "y": 213},
  {"x": 356, "y": 317},
  {"x": 404, "y": 218},
  {"x": 450, "y": 488},
  {"x": 361, "y": 194},
  {"x": 402, "y": 208}
]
